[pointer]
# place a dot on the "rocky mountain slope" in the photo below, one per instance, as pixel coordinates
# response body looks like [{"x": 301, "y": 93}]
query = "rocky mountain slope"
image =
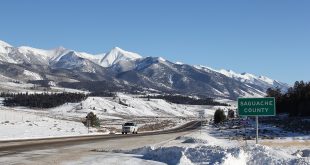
[{"x": 126, "y": 69}]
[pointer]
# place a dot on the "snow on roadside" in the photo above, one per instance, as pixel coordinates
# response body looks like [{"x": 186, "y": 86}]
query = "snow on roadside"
[
  {"x": 208, "y": 154},
  {"x": 202, "y": 154},
  {"x": 206, "y": 148},
  {"x": 113, "y": 158}
]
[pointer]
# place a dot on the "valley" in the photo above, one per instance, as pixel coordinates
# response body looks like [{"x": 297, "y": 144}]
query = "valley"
[{"x": 47, "y": 96}]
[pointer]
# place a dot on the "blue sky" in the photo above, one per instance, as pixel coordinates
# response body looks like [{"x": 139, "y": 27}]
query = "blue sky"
[{"x": 262, "y": 37}]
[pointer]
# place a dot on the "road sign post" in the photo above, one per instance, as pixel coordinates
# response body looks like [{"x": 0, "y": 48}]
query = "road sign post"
[
  {"x": 256, "y": 129},
  {"x": 257, "y": 107}
]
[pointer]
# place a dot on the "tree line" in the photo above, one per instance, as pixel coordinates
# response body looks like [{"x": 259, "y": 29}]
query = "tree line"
[
  {"x": 179, "y": 99},
  {"x": 42, "y": 100},
  {"x": 295, "y": 102},
  {"x": 101, "y": 88}
]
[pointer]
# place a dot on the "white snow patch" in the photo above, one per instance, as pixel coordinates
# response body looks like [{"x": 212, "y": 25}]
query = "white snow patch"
[
  {"x": 32, "y": 75},
  {"x": 170, "y": 79},
  {"x": 266, "y": 79},
  {"x": 161, "y": 59}
]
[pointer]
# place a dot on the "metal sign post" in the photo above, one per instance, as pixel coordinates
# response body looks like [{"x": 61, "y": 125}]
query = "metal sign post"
[
  {"x": 257, "y": 107},
  {"x": 256, "y": 129}
]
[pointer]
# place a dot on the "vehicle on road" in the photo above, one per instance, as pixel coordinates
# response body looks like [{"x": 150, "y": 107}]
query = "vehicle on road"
[{"x": 129, "y": 127}]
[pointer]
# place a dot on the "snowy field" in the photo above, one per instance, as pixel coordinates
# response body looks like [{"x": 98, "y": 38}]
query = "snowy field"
[
  {"x": 22, "y": 125},
  {"x": 65, "y": 120},
  {"x": 110, "y": 108}
]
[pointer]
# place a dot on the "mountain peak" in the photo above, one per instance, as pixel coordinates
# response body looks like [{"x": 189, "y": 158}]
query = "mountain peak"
[
  {"x": 4, "y": 44},
  {"x": 116, "y": 48},
  {"x": 116, "y": 55},
  {"x": 119, "y": 51},
  {"x": 60, "y": 48}
]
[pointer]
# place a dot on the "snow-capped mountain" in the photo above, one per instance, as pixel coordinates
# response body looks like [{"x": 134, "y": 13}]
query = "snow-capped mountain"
[
  {"x": 163, "y": 75},
  {"x": 261, "y": 82},
  {"x": 125, "y": 68},
  {"x": 25, "y": 54},
  {"x": 4, "y": 47},
  {"x": 116, "y": 55}
]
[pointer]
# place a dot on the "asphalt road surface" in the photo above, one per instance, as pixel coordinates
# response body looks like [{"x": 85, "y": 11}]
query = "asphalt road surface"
[{"x": 60, "y": 150}]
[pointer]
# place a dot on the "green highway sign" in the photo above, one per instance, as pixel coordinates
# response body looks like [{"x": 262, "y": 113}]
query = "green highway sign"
[{"x": 257, "y": 106}]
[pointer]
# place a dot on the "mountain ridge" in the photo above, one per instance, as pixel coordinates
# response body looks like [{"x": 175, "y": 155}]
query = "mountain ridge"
[{"x": 126, "y": 67}]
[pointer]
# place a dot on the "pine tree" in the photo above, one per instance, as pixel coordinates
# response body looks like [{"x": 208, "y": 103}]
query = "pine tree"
[{"x": 219, "y": 116}]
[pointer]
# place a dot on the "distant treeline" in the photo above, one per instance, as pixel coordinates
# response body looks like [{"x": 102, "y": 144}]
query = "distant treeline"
[
  {"x": 296, "y": 102},
  {"x": 102, "y": 94},
  {"x": 93, "y": 86},
  {"x": 44, "y": 100},
  {"x": 178, "y": 99},
  {"x": 41, "y": 83},
  {"x": 101, "y": 87}
]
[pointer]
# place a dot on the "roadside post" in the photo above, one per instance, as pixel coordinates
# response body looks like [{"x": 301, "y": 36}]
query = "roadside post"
[
  {"x": 257, "y": 107},
  {"x": 201, "y": 115},
  {"x": 88, "y": 123}
]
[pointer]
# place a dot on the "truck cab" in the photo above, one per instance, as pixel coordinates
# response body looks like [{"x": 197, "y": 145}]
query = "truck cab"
[{"x": 129, "y": 127}]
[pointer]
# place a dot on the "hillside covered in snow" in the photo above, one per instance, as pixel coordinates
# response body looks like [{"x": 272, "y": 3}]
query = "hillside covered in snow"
[{"x": 125, "y": 70}]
